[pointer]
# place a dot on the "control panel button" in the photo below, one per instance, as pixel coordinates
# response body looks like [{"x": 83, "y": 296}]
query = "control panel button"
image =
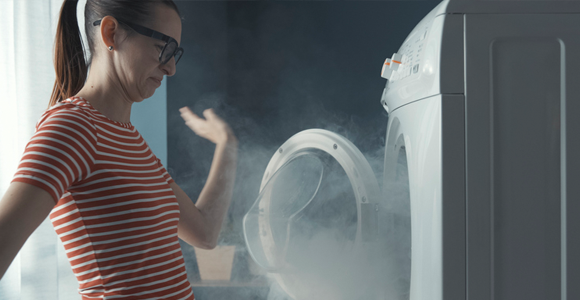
[
  {"x": 416, "y": 68},
  {"x": 393, "y": 64},
  {"x": 386, "y": 72},
  {"x": 424, "y": 35},
  {"x": 396, "y": 61}
]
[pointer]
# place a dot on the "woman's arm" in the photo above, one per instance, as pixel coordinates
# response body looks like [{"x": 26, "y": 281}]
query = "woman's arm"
[
  {"x": 22, "y": 209},
  {"x": 200, "y": 224}
]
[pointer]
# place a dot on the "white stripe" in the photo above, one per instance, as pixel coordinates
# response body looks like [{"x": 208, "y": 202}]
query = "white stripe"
[
  {"x": 74, "y": 211},
  {"x": 116, "y": 231},
  {"x": 126, "y": 203},
  {"x": 98, "y": 297},
  {"x": 128, "y": 263},
  {"x": 188, "y": 295},
  {"x": 132, "y": 237},
  {"x": 61, "y": 207},
  {"x": 79, "y": 114},
  {"x": 115, "y": 126},
  {"x": 134, "y": 245},
  {"x": 84, "y": 236},
  {"x": 153, "y": 291},
  {"x": 114, "y": 178},
  {"x": 122, "y": 195},
  {"x": 121, "y": 170},
  {"x": 119, "y": 186},
  {"x": 78, "y": 143},
  {"x": 131, "y": 211},
  {"x": 71, "y": 231},
  {"x": 52, "y": 166},
  {"x": 134, "y": 152},
  {"x": 120, "y": 231},
  {"x": 92, "y": 252},
  {"x": 182, "y": 265},
  {"x": 118, "y": 248},
  {"x": 48, "y": 138},
  {"x": 120, "y": 143},
  {"x": 125, "y": 164},
  {"x": 133, "y": 220},
  {"x": 118, "y": 135},
  {"x": 128, "y": 157},
  {"x": 55, "y": 118},
  {"x": 59, "y": 150},
  {"x": 78, "y": 247},
  {"x": 131, "y": 271},
  {"x": 184, "y": 273},
  {"x": 34, "y": 170},
  {"x": 71, "y": 111},
  {"x": 92, "y": 144},
  {"x": 67, "y": 224},
  {"x": 39, "y": 180},
  {"x": 90, "y": 290},
  {"x": 116, "y": 240},
  {"x": 40, "y": 162},
  {"x": 99, "y": 277},
  {"x": 96, "y": 252},
  {"x": 148, "y": 275},
  {"x": 88, "y": 262}
]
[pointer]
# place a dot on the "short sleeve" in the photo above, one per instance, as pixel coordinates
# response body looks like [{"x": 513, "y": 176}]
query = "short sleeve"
[
  {"x": 164, "y": 172},
  {"x": 60, "y": 153}
]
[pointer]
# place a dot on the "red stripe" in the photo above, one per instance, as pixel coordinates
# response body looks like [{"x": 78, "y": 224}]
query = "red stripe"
[{"x": 90, "y": 137}]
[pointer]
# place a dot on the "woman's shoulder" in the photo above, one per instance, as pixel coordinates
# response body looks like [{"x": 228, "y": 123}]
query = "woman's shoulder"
[
  {"x": 74, "y": 109},
  {"x": 71, "y": 104}
]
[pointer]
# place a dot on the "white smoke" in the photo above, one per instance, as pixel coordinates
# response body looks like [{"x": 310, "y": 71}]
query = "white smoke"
[{"x": 322, "y": 260}]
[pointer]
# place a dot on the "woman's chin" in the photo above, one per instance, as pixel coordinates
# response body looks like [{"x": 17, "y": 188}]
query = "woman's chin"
[{"x": 147, "y": 93}]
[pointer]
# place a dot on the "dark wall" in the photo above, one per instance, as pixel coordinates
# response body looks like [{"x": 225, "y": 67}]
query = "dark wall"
[{"x": 273, "y": 69}]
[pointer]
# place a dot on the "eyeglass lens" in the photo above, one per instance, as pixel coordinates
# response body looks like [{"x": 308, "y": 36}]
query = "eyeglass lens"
[{"x": 169, "y": 51}]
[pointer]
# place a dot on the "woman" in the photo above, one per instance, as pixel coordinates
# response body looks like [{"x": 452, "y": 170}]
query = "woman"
[{"x": 114, "y": 206}]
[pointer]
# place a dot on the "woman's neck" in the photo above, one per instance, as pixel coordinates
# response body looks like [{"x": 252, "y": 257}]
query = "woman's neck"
[{"x": 107, "y": 97}]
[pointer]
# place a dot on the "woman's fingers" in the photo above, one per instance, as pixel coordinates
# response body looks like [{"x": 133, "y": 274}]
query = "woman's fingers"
[
  {"x": 185, "y": 109},
  {"x": 210, "y": 127},
  {"x": 187, "y": 114},
  {"x": 193, "y": 121},
  {"x": 208, "y": 113}
]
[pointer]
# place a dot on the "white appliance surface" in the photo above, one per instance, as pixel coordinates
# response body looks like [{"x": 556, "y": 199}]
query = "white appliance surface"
[{"x": 481, "y": 128}]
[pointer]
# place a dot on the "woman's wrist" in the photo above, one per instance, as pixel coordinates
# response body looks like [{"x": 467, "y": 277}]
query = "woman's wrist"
[{"x": 229, "y": 140}]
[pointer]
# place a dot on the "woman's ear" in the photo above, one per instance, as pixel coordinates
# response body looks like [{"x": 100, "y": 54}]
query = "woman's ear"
[{"x": 109, "y": 30}]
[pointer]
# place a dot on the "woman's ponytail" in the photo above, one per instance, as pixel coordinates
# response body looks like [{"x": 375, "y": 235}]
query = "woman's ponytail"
[{"x": 69, "y": 59}]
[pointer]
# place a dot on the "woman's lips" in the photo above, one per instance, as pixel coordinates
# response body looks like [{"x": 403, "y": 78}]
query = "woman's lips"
[{"x": 156, "y": 81}]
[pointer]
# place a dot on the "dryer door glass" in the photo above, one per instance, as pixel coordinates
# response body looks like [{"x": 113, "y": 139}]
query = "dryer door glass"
[
  {"x": 287, "y": 192},
  {"x": 314, "y": 224},
  {"x": 308, "y": 200}
]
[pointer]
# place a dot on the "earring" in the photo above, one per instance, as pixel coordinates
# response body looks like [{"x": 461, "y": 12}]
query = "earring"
[{"x": 110, "y": 48}]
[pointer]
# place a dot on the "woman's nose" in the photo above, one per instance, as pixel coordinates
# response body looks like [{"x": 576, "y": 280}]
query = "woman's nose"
[{"x": 169, "y": 68}]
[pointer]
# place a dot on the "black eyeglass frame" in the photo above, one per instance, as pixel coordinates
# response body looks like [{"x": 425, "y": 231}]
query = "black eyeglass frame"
[{"x": 156, "y": 35}]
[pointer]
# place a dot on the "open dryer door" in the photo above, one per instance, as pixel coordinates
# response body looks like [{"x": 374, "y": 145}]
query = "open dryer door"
[{"x": 314, "y": 225}]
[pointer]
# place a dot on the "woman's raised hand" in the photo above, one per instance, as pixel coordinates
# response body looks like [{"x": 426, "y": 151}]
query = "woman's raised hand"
[{"x": 212, "y": 128}]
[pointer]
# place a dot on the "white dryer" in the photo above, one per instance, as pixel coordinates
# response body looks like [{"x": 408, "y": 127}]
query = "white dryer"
[{"x": 480, "y": 196}]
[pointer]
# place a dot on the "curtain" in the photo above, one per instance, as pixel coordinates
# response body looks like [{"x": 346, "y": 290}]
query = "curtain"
[{"x": 27, "y": 30}]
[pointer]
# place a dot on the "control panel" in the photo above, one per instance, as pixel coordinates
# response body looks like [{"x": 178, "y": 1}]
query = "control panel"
[{"x": 407, "y": 62}]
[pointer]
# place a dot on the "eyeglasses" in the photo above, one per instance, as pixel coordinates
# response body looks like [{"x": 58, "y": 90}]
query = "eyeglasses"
[{"x": 169, "y": 50}]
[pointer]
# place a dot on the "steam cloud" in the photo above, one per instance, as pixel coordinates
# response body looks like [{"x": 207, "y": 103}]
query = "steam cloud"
[{"x": 322, "y": 260}]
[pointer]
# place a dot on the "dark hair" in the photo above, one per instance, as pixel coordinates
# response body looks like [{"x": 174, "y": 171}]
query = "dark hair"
[{"x": 69, "y": 56}]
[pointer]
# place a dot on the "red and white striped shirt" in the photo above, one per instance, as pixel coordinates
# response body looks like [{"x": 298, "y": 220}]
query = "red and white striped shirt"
[{"x": 115, "y": 212}]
